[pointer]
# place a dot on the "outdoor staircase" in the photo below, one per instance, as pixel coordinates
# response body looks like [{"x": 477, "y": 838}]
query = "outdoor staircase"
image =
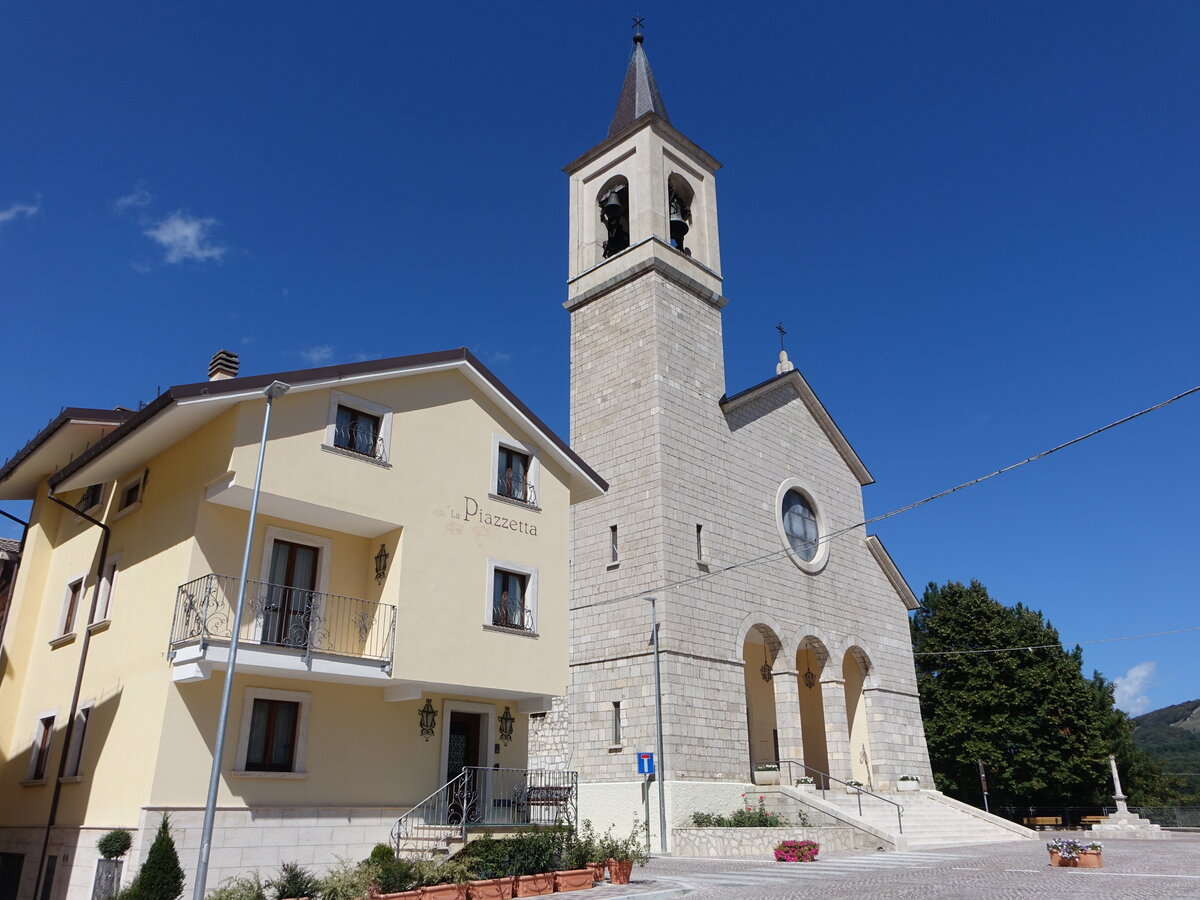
[{"x": 929, "y": 817}]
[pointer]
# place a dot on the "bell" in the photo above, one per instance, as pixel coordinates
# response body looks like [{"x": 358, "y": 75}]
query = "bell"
[
  {"x": 679, "y": 227},
  {"x": 611, "y": 207}
]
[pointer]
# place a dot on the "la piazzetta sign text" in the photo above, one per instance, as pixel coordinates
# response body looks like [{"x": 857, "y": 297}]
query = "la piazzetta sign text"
[{"x": 472, "y": 513}]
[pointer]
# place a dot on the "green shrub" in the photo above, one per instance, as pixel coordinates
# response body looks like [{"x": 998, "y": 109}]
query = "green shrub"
[
  {"x": 161, "y": 877},
  {"x": 536, "y": 850},
  {"x": 240, "y": 887},
  {"x": 390, "y": 873},
  {"x": 584, "y": 848},
  {"x": 348, "y": 880},
  {"x": 452, "y": 871},
  {"x": 115, "y": 844},
  {"x": 489, "y": 857},
  {"x": 631, "y": 847},
  {"x": 294, "y": 880}
]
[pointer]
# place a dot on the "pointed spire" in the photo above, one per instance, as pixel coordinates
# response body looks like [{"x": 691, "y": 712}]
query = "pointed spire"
[{"x": 639, "y": 94}]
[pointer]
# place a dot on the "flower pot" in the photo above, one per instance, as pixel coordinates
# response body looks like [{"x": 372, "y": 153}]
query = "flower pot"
[
  {"x": 766, "y": 777},
  {"x": 806, "y": 786},
  {"x": 597, "y": 871},
  {"x": 851, "y": 789},
  {"x": 534, "y": 885},
  {"x": 1090, "y": 859},
  {"x": 619, "y": 870},
  {"x": 444, "y": 892},
  {"x": 908, "y": 785},
  {"x": 490, "y": 889},
  {"x": 1057, "y": 860},
  {"x": 573, "y": 880},
  {"x": 402, "y": 895}
]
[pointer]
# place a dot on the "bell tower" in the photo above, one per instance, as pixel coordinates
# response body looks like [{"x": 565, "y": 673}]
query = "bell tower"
[{"x": 644, "y": 193}]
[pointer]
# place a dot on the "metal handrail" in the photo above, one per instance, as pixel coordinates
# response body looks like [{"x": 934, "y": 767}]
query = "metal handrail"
[
  {"x": 858, "y": 788},
  {"x": 478, "y": 797}
]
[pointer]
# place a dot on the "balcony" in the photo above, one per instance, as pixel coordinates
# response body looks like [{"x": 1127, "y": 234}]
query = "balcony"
[{"x": 284, "y": 630}]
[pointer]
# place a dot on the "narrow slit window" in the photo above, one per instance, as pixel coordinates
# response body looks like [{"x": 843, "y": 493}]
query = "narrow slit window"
[
  {"x": 616, "y": 722},
  {"x": 614, "y": 555},
  {"x": 699, "y": 542},
  {"x": 71, "y": 606}
]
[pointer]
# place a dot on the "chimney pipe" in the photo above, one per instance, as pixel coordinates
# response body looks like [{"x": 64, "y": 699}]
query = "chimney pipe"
[{"x": 224, "y": 365}]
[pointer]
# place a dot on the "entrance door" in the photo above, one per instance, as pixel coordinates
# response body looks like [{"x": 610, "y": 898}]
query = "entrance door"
[
  {"x": 10, "y": 874},
  {"x": 290, "y": 594},
  {"x": 462, "y": 750}
]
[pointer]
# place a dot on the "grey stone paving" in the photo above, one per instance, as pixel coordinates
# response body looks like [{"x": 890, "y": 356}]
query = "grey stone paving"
[{"x": 1007, "y": 871}]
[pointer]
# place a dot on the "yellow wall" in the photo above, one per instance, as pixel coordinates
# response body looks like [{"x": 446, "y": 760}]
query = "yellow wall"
[{"x": 149, "y": 740}]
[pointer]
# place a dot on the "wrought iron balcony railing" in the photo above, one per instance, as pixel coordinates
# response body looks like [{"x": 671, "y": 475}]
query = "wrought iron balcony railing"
[
  {"x": 360, "y": 440},
  {"x": 515, "y": 618},
  {"x": 514, "y": 487},
  {"x": 279, "y": 616}
]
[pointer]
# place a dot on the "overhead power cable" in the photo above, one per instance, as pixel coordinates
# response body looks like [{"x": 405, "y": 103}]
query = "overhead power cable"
[
  {"x": 1061, "y": 645},
  {"x": 683, "y": 582}
]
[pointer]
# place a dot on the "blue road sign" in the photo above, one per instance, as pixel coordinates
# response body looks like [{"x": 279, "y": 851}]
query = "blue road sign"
[{"x": 645, "y": 763}]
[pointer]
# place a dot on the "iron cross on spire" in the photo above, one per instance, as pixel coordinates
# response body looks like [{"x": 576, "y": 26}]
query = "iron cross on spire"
[
  {"x": 638, "y": 22},
  {"x": 779, "y": 328}
]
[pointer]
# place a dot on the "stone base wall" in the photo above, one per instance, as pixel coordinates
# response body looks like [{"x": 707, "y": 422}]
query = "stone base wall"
[
  {"x": 243, "y": 840},
  {"x": 756, "y": 843}
]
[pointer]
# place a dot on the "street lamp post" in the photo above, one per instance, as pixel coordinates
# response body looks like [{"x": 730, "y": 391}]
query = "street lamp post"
[
  {"x": 661, "y": 768},
  {"x": 273, "y": 391}
]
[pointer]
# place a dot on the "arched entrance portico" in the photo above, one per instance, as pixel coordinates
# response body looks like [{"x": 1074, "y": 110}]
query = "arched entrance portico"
[
  {"x": 855, "y": 668},
  {"x": 759, "y": 650},
  {"x": 811, "y": 659}
]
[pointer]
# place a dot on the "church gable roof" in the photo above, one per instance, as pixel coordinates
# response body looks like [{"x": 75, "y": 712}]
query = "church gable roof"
[
  {"x": 795, "y": 382},
  {"x": 639, "y": 93},
  {"x": 892, "y": 572}
]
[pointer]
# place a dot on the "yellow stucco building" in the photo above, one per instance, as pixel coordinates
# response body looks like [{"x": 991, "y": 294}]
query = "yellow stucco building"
[{"x": 405, "y": 613}]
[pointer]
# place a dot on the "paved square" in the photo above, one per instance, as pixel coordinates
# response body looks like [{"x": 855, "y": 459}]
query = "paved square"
[{"x": 1132, "y": 869}]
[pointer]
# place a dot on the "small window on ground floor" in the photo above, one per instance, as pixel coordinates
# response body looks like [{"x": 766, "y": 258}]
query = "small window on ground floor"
[{"x": 272, "y": 745}]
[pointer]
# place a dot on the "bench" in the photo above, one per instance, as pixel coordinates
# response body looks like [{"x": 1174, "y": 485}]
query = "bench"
[
  {"x": 1089, "y": 821},
  {"x": 543, "y": 802},
  {"x": 1040, "y": 822}
]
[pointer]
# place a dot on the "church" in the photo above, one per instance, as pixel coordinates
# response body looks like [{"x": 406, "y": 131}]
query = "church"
[{"x": 783, "y": 625}]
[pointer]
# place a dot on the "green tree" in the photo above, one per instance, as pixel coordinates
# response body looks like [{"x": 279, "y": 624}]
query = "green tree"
[
  {"x": 1042, "y": 730},
  {"x": 161, "y": 877}
]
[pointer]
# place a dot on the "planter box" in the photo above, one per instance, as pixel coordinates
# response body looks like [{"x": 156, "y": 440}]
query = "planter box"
[
  {"x": 851, "y": 789},
  {"x": 766, "y": 777},
  {"x": 573, "y": 880},
  {"x": 444, "y": 892},
  {"x": 908, "y": 785},
  {"x": 534, "y": 885},
  {"x": 490, "y": 889},
  {"x": 1088, "y": 859},
  {"x": 597, "y": 871},
  {"x": 806, "y": 787},
  {"x": 619, "y": 870},
  {"x": 402, "y": 895}
]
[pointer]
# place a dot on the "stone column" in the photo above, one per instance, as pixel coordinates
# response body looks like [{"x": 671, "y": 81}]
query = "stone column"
[
  {"x": 837, "y": 729},
  {"x": 787, "y": 721}
]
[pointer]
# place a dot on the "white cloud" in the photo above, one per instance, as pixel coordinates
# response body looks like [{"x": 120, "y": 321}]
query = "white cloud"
[
  {"x": 135, "y": 199},
  {"x": 19, "y": 209},
  {"x": 1130, "y": 693},
  {"x": 142, "y": 268},
  {"x": 186, "y": 237},
  {"x": 314, "y": 356}
]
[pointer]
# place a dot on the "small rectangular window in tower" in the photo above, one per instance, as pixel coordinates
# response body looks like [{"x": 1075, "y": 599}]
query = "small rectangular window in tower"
[
  {"x": 613, "y": 552},
  {"x": 616, "y": 723},
  {"x": 699, "y": 542}
]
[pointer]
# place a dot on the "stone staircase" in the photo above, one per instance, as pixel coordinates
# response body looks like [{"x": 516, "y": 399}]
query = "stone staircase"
[{"x": 930, "y": 818}]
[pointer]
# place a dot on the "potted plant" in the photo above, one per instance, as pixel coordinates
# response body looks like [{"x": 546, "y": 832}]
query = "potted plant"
[
  {"x": 852, "y": 786},
  {"x": 766, "y": 773},
  {"x": 112, "y": 847},
  {"x": 394, "y": 878},
  {"x": 1071, "y": 853},
  {"x": 623, "y": 853},
  {"x": 294, "y": 882},
  {"x": 908, "y": 783},
  {"x": 532, "y": 860},
  {"x": 447, "y": 882},
  {"x": 584, "y": 852},
  {"x": 796, "y": 851},
  {"x": 805, "y": 783}
]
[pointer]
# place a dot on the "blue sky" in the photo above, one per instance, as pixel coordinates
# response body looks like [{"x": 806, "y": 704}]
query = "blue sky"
[{"x": 979, "y": 222}]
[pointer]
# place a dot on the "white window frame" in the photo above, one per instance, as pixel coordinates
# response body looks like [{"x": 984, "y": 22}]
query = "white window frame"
[
  {"x": 122, "y": 486},
  {"x": 533, "y": 476},
  {"x": 83, "y": 717},
  {"x": 324, "y": 546},
  {"x": 531, "y": 592},
  {"x": 299, "y": 761},
  {"x": 65, "y": 628},
  {"x": 384, "y": 413},
  {"x": 39, "y": 729},
  {"x": 108, "y": 581},
  {"x": 817, "y": 563}
]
